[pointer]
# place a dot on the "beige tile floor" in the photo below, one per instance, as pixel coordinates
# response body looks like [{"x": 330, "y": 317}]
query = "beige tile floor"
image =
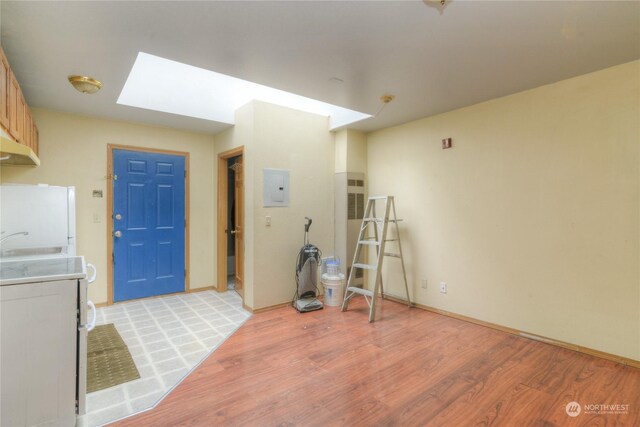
[{"x": 167, "y": 337}]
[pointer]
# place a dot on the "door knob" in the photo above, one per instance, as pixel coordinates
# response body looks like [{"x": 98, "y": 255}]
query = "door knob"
[
  {"x": 118, "y": 233},
  {"x": 118, "y": 217}
]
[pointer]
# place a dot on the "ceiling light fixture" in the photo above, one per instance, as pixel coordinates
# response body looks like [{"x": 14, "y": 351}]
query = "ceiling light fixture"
[
  {"x": 438, "y": 4},
  {"x": 385, "y": 99},
  {"x": 85, "y": 84}
]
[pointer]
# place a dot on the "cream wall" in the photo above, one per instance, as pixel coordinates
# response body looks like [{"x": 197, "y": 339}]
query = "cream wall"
[
  {"x": 73, "y": 151},
  {"x": 533, "y": 217},
  {"x": 282, "y": 138},
  {"x": 356, "y": 151},
  {"x": 242, "y": 134},
  {"x": 350, "y": 151},
  {"x": 340, "y": 141},
  {"x": 301, "y": 143},
  {"x": 350, "y": 157}
]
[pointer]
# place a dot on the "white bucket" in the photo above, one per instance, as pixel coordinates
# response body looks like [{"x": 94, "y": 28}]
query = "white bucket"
[{"x": 333, "y": 289}]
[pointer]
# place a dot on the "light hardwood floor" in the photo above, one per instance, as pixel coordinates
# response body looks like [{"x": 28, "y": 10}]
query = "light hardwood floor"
[{"x": 409, "y": 368}]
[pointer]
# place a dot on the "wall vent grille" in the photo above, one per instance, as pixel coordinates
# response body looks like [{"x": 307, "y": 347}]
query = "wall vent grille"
[{"x": 351, "y": 206}]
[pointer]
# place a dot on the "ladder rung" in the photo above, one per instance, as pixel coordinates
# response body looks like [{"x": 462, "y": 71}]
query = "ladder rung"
[
  {"x": 369, "y": 242},
  {"x": 378, "y": 197},
  {"x": 380, "y": 220},
  {"x": 392, "y": 254},
  {"x": 391, "y": 240},
  {"x": 365, "y": 266},
  {"x": 360, "y": 291}
]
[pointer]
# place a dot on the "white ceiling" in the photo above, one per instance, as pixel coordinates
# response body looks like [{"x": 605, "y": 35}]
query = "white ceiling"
[{"x": 433, "y": 62}]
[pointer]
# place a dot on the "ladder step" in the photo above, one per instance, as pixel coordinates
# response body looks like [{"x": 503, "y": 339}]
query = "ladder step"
[
  {"x": 360, "y": 291},
  {"x": 391, "y": 240},
  {"x": 392, "y": 255},
  {"x": 380, "y": 220},
  {"x": 365, "y": 266},
  {"x": 378, "y": 197},
  {"x": 369, "y": 242}
]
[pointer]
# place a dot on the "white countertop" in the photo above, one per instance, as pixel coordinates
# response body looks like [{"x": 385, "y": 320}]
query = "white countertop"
[{"x": 41, "y": 270}]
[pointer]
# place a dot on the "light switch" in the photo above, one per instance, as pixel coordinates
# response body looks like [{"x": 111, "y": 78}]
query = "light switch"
[
  {"x": 96, "y": 218},
  {"x": 268, "y": 221}
]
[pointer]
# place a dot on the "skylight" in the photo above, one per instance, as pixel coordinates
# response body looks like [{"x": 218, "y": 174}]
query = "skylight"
[{"x": 160, "y": 84}]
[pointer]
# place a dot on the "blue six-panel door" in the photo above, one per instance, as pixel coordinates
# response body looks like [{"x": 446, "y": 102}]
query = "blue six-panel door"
[{"x": 148, "y": 224}]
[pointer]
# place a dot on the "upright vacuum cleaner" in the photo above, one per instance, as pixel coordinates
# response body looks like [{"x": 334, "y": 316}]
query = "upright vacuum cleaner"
[{"x": 309, "y": 258}]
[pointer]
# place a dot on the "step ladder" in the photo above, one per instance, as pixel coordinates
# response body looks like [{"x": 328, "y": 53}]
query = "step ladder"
[{"x": 378, "y": 240}]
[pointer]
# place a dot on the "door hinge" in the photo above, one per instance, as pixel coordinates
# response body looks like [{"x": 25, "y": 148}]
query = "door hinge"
[
  {"x": 185, "y": 274},
  {"x": 185, "y": 174}
]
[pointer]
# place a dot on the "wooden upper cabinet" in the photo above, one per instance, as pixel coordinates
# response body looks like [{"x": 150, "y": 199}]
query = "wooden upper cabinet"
[
  {"x": 5, "y": 74},
  {"x": 15, "y": 116}
]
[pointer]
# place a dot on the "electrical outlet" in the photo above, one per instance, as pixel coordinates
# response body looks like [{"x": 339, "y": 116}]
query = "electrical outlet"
[
  {"x": 424, "y": 283},
  {"x": 443, "y": 287},
  {"x": 268, "y": 221}
]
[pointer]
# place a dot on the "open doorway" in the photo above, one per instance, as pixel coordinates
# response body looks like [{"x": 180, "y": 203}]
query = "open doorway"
[
  {"x": 231, "y": 221},
  {"x": 234, "y": 170}
]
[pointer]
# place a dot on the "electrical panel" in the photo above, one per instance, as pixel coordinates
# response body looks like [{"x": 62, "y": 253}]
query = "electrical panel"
[{"x": 276, "y": 187}]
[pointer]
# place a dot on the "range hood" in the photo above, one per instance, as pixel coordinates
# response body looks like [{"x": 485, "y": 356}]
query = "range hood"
[{"x": 13, "y": 153}]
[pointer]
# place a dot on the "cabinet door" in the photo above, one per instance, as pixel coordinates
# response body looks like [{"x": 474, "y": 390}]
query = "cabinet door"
[
  {"x": 4, "y": 90},
  {"x": 22, "y": 109},
  {"x": 16, "y": 114},
  {"x": 35, "y": 139},
  {"x": 28, "y": 127}
]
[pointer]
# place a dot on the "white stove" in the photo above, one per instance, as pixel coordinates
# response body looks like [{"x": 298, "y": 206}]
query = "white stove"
[
  {"x": 43, "y": 308},
  {"x": 15, "y": 272}
]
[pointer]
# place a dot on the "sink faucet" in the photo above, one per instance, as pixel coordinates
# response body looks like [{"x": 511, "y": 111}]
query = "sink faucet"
[{"x": 19, "y": 233}]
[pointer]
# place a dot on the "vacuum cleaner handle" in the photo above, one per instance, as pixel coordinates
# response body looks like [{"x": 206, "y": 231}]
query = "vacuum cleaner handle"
[{"x": 308, "y": 224}]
